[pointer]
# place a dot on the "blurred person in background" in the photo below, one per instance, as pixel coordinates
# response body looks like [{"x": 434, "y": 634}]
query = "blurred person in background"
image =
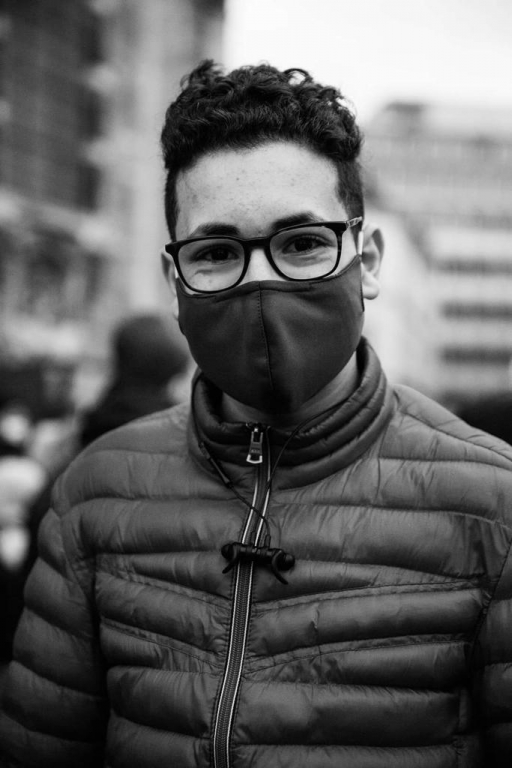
[
  {"x": 21, "y": 479},
  {"x": 304, "y": 566},
  {"x": 149, "y": 366},
  {"x": 148, "y": 362}
]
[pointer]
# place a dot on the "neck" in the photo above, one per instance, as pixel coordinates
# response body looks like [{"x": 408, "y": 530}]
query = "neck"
[{"x": 339, "y": 389}]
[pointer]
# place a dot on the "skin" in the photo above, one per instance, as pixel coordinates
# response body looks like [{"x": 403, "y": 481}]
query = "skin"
[{"x": 253, "y": 192}]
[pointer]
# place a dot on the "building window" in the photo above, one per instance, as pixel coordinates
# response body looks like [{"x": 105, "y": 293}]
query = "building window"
[
  {"x": 93, "y": 51},
  {"x": 49, "y": 277},
  {"x": 477, "y": 355},
  {"x": 476, "y": 266},
  {"x": 48, "y": 45},
  {"x": 477, "y": 311},
  {"x": 92, "y": 112},
  {"x": 88, "y": 188}
]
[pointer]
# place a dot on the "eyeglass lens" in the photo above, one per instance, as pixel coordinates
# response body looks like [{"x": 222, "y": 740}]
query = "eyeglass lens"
[{"x": 215, "y": 264}]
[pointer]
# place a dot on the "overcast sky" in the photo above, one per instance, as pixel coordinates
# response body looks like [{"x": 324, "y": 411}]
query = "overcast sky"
[{"x": 377, "y": 50}]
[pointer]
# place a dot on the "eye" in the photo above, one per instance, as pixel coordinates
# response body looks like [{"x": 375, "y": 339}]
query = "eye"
[
  {"x": 212, "y": 254},
  {"x": 303, "y": 243}
]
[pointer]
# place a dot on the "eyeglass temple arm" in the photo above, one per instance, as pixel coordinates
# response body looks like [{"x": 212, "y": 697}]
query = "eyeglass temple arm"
[
  {"x": 360, "y": 235},
  {"x": 168, "y": 264}
]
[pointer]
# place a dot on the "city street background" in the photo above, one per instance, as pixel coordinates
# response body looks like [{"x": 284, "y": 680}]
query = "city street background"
[
  {"x": 83, "y": 90},
  {"x": 84, "y": 309}
]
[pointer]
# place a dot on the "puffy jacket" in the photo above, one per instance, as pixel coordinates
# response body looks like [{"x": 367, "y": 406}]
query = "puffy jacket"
[{"x": 390, "y": 646}]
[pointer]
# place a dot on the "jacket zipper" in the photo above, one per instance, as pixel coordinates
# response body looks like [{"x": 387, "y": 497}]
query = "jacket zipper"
[{"x": 241, "y": 608}]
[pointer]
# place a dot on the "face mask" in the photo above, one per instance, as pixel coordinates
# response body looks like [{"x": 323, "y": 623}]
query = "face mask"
[{"x": 274, "y": 344}]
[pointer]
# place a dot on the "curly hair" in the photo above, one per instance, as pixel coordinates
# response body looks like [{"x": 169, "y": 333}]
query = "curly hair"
[{"x": 256, "y": 104}]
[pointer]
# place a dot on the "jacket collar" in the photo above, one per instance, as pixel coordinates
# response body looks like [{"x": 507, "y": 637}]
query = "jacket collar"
[{"x": 324, "y": 446}]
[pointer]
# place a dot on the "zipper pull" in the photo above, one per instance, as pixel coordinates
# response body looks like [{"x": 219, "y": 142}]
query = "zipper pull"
[{"x": 255, "y": 455}]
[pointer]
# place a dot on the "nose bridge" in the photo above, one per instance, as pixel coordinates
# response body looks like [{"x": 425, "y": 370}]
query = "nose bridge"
[{"x": 259, "y": 267}]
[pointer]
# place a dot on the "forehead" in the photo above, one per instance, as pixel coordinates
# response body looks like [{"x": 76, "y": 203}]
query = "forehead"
[{"x": 252, "y": 188}]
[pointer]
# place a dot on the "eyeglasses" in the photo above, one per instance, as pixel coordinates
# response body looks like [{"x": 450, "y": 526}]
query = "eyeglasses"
[{"x": 302, "y": 252}]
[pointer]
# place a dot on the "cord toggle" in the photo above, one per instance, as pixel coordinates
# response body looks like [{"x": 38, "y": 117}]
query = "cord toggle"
[{"x": 277, "y": 559}]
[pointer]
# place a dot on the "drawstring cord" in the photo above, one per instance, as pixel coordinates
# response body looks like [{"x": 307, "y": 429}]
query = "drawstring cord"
[{"x": 277, "y": 559}]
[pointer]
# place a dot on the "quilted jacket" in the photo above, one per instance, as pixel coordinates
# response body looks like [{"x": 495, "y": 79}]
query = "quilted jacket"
[{"x": 390, "y": 645}]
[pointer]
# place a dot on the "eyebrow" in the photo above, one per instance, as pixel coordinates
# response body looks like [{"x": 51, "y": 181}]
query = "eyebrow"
[{"x": 222, "y": 228}]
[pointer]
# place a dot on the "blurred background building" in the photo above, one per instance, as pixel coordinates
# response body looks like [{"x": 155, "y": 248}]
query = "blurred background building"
[
  {"x": 83, "y": 90},
  {"x": 84, "y": 85},
  {"x": 402, "y": 323},
  {"x": 446, "y": 171}
]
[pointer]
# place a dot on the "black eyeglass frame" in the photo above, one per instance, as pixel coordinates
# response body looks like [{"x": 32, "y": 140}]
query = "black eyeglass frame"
[{"x": 338, "y": 227}]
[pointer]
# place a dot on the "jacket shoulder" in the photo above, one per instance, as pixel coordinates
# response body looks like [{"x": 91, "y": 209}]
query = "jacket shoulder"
[
  {"x": 155, "y": 432},
  {"x": 444, "y": 463},
  {"x": 127, "y": 462},
  {"x": 446, "y": 436}
]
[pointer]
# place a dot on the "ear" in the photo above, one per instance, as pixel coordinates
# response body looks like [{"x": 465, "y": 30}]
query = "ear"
[
  {"x": 373, "y": 251},
  {"x": 170, "y": 277}
]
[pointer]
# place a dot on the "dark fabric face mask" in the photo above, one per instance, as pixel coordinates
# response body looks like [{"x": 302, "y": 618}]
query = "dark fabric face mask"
[{"x": 274, "y": 344}]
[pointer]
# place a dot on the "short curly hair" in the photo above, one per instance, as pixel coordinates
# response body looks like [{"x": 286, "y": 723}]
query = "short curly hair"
[{"x": 256, "y": 104}]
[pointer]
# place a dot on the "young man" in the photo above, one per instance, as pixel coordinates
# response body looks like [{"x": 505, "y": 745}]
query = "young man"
[{"x": 306, "y": 567}]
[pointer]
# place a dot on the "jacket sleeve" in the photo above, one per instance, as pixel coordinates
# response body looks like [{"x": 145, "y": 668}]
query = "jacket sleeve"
[
  {"x": 494, "y": 654},
  {"x": 54, "y": 710}
]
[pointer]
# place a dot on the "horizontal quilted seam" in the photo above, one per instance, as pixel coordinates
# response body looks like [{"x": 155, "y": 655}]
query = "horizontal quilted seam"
[
  {"x": 420, "y": 691},
  {"x": 440, "y": 461},
  {"x": 405, "y": 589},
  {"x": 438, "y": 428},
  {"x": 161, "y": 641},
  {"x": 82, "y": 637},
  {"x": 451, "y": 745},
  {"x": 93, "y": 696},
  {"x": 351, "y": 646},
  {"x": 61, "y": 575},
  {"x": 342, "y": 505},
  {"x": 49, "y": 736},
  {"x": 133, "y": 577},
  {"x": 361, "y": 646},
  {"x": 143, "y": 726}
]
